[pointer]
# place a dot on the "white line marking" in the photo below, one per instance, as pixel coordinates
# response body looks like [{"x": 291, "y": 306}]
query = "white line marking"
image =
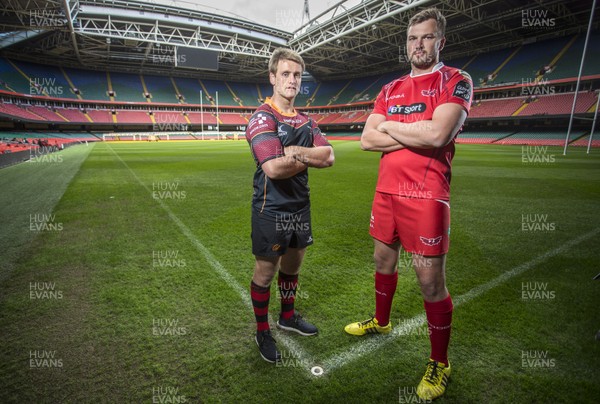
[
  {"x": 289, "y": 343},
  {"x": 374, "y": 343}
]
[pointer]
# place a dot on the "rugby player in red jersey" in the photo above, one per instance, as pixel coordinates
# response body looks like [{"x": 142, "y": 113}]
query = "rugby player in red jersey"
[
  {"x": 414, "y": 123},
  {"x": 284, "y": 144}
]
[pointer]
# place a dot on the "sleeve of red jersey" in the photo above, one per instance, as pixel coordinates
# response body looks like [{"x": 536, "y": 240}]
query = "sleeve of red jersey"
[
  {"x": 459, "y": 90},
  {"x": 261, "y": 134},
  {"x": 380, "y": 106},
  {"x": 318, "y": 137}
]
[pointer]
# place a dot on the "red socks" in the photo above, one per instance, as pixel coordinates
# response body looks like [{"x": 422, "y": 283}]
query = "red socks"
[
  {"x": 385, "y": 287},
  {"x": 287, "y": 289},
  {"x": 439, "y": 319},
  {"x": 260, "y": 303}
]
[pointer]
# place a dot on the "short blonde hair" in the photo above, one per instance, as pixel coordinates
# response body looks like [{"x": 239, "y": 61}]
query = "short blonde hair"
[
  {"x": 429, "y": 14},
  {"x": 284, "y": 54}
]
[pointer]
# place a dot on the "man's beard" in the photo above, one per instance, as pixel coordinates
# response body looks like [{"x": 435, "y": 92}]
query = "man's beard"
[{"x": 423, "y": 62}]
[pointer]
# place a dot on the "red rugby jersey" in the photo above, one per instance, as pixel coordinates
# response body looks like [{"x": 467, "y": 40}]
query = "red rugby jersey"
[{"x": 413, "y": 172}]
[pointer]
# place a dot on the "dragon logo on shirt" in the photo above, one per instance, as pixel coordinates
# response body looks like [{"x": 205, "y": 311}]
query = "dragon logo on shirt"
[{"x": 430, "y": 241}]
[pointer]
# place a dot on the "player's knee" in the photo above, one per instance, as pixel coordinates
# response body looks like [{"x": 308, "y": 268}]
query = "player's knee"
[{"x": 433, "y": 291}]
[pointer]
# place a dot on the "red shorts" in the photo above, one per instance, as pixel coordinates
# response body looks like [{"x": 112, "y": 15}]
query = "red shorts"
[{"x": 421, "y": 225}]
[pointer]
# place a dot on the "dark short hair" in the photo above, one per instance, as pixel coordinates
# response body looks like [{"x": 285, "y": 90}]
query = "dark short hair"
[
  {"x": 429, "y": 14},
  {"x": 284, "y": 54}
]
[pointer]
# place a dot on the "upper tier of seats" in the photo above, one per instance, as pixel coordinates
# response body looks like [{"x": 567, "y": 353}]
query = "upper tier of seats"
[{"x": 559, "y": 56}]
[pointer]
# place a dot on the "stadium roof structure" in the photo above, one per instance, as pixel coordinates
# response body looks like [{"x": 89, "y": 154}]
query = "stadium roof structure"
[{"x": 347, "y": 40}]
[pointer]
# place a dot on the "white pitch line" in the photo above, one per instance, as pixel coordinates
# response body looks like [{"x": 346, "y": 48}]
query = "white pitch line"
[
  {"x": 290, "y": 344},
  {"x": 374, "y": 343}
]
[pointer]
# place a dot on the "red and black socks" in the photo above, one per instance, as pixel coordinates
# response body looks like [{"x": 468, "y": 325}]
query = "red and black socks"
[
  {"x": 287, "y": 284},
  {"x": 260, "y": 303}
]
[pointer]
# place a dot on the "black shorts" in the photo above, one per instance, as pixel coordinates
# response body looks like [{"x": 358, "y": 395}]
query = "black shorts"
[{"x": 271, "y": 236}]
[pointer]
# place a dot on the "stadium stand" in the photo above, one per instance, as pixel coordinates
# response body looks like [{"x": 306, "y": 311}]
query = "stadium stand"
[
  {"x": 91, "y": 85},
  {"x": 246, "y": 92},
  {"x": 483, "y": 67},
  {"x": 72, "y": 115},
  {"x": 481, "y": 137},
  {"x": 161, "y": 89},
  {"x": 12, "y": 79},
  {"x": 45, "y": 80},
  {"x": 496, "y": 107},
  {"x": 125, "y": 116},
  {"x": 127, "y": 87},
  {"x": 560, "y": 104},
  {"x": 190, "y": 89},
  {"x": 539, "y": 138},
  {"x": 225, "y": 96},
  {"x": 100, "y": 116},
  {"x": 527, "y": 62},
  {"x": 45, "y": 113}
]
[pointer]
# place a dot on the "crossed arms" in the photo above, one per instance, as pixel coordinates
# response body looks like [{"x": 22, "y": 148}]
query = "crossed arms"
[
  {"x": 297, "y": 159},
  {"x": 387, "y": 136}
]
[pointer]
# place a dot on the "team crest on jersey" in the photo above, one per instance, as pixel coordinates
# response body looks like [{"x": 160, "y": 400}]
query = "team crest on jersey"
[
  {"x": 430, "y": 241},
  {"x": 429, "y": 93},
  {"x": 462, "y": 90},
  {"x": 281, "y": 131},
  {"x": 407, "y": 109}
]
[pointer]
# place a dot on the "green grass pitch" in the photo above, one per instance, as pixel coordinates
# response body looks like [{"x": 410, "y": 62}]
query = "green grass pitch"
[{"x": 125, "y": 269}]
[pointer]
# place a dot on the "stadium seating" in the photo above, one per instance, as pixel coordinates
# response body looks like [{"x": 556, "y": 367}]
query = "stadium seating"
[
  {"x": 168, "y": 118},
  {"x": 161, "y": 89},
  {"x": 480, "y": 137},
  {"x": 568, "y": 64},
  {"x": 72, "y": 114},
  {"x": 91, "y": 85},
  {"x": 225, "y": 96},
  {"x": 133, "y": 117},
  {"x": 486, "y": 64},
  {"x": 127, "y": 87},
  {"x": 11, "y": 79},
  {"x": 17, "y": 111},
  {"x": 539, "y": 137},
  {"x": 45, "y": 80},
  {"x": 560, "y": 104},
  {"x": 45, "y": 113},
  {"x": 100, "y": 116},
  {"x": 528, "y": 61},
  {"x": 246, "y": 92},
  {"x": 495, "y": 107}
]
